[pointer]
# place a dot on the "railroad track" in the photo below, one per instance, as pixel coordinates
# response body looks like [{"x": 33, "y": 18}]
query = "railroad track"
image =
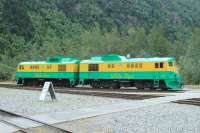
[
  {"x": 15, "y": 86},
  {"x": 192, "y": 101},
  {"x": 26, "y": 124},
  {"x": 111, "y": 93}
]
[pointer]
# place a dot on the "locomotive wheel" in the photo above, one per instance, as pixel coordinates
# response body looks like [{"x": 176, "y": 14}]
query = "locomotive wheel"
[
  {"x": 139, "y": 85},
  {"x": 163, "y": 86},
  {"x": 116, "y": 85},
  {"x": 95, "y": 84},
  {"x": 152, "y": 88},
  {"x": 164, "y": 89},
  {"x": 140, "y": 88}
]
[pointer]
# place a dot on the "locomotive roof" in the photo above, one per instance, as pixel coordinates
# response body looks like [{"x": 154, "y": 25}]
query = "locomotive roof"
[
  {"x": 116, "y": 58},
  {"x": 55, "y": 60}
]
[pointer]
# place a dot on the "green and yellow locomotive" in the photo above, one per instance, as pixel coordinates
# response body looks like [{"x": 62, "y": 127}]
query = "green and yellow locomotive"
[
  {"x": 115, "y": 71},
  {"x": 61, "y": 71},
  {"x": 109, "y": 71}
]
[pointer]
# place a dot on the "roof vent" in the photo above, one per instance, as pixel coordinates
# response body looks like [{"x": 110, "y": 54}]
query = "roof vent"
[
  {"x": 54, "y": 59},
  {"x": 128, "y": 56},
  {"x": 108, "y": 58}
]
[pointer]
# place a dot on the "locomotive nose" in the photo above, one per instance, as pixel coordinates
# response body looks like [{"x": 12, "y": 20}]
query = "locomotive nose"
[{"x": 179, "y": 81}]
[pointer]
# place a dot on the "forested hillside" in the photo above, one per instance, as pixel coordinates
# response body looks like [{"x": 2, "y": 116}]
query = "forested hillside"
[{"x": 36, "y": 29}]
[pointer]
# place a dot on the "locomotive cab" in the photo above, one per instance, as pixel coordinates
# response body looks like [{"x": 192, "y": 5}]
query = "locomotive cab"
[
  {"x": 174, "y": 79},
  {"x": 172, "y": 66}
]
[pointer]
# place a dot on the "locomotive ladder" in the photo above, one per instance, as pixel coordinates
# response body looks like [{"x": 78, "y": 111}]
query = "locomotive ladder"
[{"x": 156, "y": 83}]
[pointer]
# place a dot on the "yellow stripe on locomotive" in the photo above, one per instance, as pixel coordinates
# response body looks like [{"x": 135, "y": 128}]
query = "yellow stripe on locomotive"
[
  {"x": 132, "y": 67},
  {"x": 47, "y": 68}
]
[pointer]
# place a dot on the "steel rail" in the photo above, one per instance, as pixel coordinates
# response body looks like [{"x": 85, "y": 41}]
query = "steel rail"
[{"x": 31, "y": 119}]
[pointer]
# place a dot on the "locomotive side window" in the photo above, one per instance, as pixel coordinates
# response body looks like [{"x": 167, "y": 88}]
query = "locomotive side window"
[
  {"x": 21, "y": 67},
  {"x": 170, "y": 64},
  {"x": 161, "y": 65},
  {"x": 156, "y": 65},
  {"x": 136, "y": 65},
  {"x": 93, "y": 67},
  {"x": 34, "y": 67},
  {"x": 111, "y": 65},
  {"x": 62, "y": 68},
  {"x": 140, "y": 65},
  {"x": 48, "y": 66},
  {"x": 132, "y": 65}
]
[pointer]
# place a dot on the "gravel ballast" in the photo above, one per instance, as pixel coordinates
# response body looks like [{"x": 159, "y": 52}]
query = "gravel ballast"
[
  {"x": 27, "y": 102},
  {"x": 157, "y": 118},
  {"x": 163, "y": 118}
]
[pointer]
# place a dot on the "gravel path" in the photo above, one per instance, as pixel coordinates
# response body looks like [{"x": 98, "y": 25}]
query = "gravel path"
[
  {"x": 164, "y": 118},
  {"x": 27, "y": 102}
]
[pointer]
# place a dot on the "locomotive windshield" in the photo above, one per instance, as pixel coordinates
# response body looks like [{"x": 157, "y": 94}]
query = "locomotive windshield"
[{"x": 170, "y": 64}]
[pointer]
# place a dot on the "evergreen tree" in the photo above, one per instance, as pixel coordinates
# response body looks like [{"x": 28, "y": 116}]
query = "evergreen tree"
[{"x": 158, "y": 44}]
